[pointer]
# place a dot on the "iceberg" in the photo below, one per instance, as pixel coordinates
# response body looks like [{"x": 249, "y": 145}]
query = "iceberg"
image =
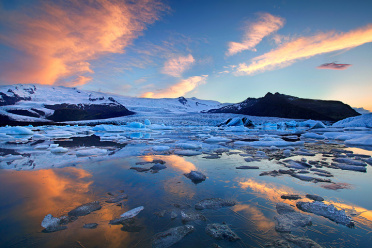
[
  {"x": 109, "y": 128},
  {"x": 16, "y": 131},
  {"x": 358, "y": 121},
  {"x": 135, "y": 125},
  {"x": 59, "y": 150}
]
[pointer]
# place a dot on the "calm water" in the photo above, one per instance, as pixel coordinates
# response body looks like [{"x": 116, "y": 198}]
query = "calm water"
[{"x": 27, "y": 196}]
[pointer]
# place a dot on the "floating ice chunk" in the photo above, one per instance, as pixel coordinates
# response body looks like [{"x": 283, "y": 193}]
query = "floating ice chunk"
[
  {"x": 38, "y": 136},
  {"x": 3, "y": 136},
  {"x": 91, "y": 152},
  {"x": 312, "y": 124},
  {"x": 287, "y": 153},
  {"x": 313, "y": 136},
  {"x": 235, "y": 122},
  {"x": 52, "y": 224},
  {"x": 187, "y": 153},
  {"x": 49, "y": 220},
  {"x": 136, "y": 135},
  {"x": 217, "y": 140},
  {"x": 132, "y": 213},
  {"x": 291, "y": 123},
  {"x": 147, "y": 122},
  {"x": 368, "y": 161},
  {"x": 362, "y": 141},
  {"x": 53, "y": 145},
  {"x": 270, "y": 138},
  {"x": 351, "y": 167},
  {"x": 328, "y": 211},
  {"x": 281, "y": 143},
  {"x": 59, "y": 134},
  {"x": 109, "y": 128},
  {"x": 59, "y": 150},
  {"x": 350, "y": 161},
  {"x": 16, "y": 131},
  {"x": 160, "y": 148},
  {"x": 195, "y": 176},
  {"x": 135, "y": 125},
  {"x": 270, "y": 126},
  {"x": 191, "y": 146},
  {"x": 236, "y": 129},
  {"x": 110, "y": 137},
  {"x": 160, "y": 127},
  {"x": 10, "y": 157},
  {"x": 42, "y": 147},
  {"x": 333, "y": 135}
]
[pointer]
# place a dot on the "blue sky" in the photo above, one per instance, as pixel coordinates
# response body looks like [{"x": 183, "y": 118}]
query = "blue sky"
[{"x": 219, "y": 50}]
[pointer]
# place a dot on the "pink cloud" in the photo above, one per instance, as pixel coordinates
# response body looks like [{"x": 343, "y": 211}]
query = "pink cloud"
[
  {"x": 58, "y": 38},
  {"x": 255, "y": 32},
  {"x": 80, "y": 80},
  {"x": 178, "y": 89},
  {"x": 177, "y": 65},
  {"x": 334, "y": 66},
  {"x": 306, "y": 47}
]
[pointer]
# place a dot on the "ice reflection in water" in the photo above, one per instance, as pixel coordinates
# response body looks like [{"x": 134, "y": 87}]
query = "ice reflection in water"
[
  {"x": 273, "y": 193},
  {"x": 33, "y": 194}
]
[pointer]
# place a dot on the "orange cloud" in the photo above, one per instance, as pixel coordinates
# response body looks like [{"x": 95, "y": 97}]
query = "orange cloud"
[
  {"x": 177, "y": 65},
  {"x": 178, "y": 89},
  {"x": 255, "y": 32},
  {"x": 306, "y": 47},
  {"x": 58, "y": 38}
]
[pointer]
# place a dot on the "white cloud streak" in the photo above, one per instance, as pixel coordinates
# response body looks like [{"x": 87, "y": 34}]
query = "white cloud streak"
[
  {"x": 306, "y": 47},
  {"x": 177, "y": 65},
  {"x": 255, "y": 32},
  {"x": 178, "y": 89}
]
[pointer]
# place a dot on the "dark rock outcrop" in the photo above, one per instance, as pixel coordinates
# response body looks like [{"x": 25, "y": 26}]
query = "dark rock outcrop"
[{"x": 73, "y": 112}]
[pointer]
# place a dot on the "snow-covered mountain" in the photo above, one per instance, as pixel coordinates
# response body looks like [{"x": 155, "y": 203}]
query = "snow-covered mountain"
[{"x": 41, "y": 103}]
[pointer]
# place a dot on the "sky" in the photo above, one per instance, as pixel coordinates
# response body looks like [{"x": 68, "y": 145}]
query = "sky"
[{"x": 210, "y": 49}]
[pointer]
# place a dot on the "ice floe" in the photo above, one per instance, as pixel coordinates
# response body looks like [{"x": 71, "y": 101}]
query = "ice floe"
[
  {"x": 16, "y": 131},
  {"x": 358, "y": 121}
]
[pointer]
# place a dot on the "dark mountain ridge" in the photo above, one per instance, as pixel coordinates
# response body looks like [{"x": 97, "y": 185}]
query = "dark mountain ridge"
[{"x": 285, "y": 106}]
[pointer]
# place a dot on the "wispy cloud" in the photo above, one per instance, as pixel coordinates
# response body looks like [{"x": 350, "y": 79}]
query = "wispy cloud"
[
  {"x": 80, "y": 80},
  {"x": 177, "y": 65},
  {"x": 306, "y": 47},
  {"x": 334, "y": 66},
  {"x": 59, "y": 38},
  {"x": 178, "y": 89},
  {"x": 255, "y": 32}
]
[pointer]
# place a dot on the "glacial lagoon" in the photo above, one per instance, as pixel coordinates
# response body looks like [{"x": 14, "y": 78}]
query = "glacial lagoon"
[{"x": 98, "y": 165}]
